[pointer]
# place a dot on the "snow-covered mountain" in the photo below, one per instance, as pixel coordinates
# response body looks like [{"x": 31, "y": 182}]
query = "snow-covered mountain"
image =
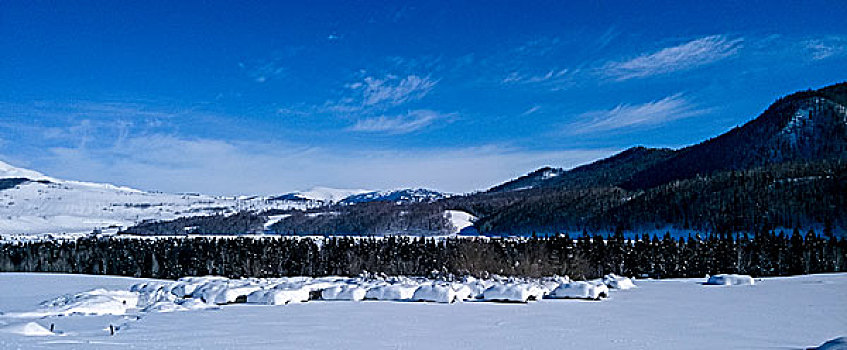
[
  {"x": 397, "y": 196},
  {"x": 326, "y": 194},
  {"x": 32, "y": 203}
]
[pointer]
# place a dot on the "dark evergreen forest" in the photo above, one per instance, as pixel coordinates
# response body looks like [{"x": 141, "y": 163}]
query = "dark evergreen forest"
[{"x": 766, "y": 253}]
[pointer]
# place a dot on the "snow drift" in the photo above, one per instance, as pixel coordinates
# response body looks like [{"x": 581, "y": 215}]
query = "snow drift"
[
  {"x": 730, "y": 280},
  {"x": 580, "y": 290},
  {"x": 513, "y": 292},
  {"x": 29, "y": 329}
]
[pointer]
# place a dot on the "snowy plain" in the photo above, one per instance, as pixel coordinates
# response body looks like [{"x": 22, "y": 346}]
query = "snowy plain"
[{"x": 775, "y": 313}]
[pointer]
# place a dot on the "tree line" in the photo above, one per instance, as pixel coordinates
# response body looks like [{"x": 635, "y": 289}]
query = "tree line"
[{"x": 765, "y": 253}]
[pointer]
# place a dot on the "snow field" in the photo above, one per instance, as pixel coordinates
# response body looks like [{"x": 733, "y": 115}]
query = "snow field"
[{"x": 658, "y": 314}]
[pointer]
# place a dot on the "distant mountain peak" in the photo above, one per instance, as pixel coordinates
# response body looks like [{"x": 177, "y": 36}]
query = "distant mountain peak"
[
  {"x": 409, "y": 195},
  {"x": 328, "y": 195}
]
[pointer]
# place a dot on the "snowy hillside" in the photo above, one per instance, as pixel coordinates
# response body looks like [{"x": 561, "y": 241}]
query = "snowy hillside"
[
  {"x": 32, "y": 203},
  {"x": 117, "y": 313},
  {"x": 327, "y": 195},
  {"x": 39, "y": 204}
]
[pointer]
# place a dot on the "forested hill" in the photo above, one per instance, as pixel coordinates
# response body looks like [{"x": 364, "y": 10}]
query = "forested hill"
[
  {"x": 804, "y": 126},
  {"x": 784, "y": 168},
  {"x": 603, "y": 173}
]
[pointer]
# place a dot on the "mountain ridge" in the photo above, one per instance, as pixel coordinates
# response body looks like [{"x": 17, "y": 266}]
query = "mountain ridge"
[{"x": 793, "y": 129}]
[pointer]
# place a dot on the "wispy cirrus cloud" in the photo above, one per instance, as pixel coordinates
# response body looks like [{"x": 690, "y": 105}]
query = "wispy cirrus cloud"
[
  {"x": 690, "y": 55},
  {"x": 628, "y": 116},
  {"x": 402, "y": 124},
  {"x": 392, "y": 90},
  {"x": 516, "y": 77},
  {"x": 372, "y": 95},
  {"x": 823, "y": 48},
  {"x": 531, "y": 110}
]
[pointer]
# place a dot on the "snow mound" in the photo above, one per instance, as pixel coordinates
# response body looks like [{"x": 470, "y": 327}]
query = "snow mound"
[
  {"x": 442, "y": 293},
  {"x": 618, "y": 282},
  {"x": 208, "y": 292},
  {"x": 94, "y": 302},
  {"x": 226, "y": 291},
  {"x": 185, "y": 287},
  {"x": 392, "y": 292},
  {"x": 477, "y": 286},
  {"x": 521, "y": 293},
  {"x": 29, "y": 329},
  {"x": 344, "y": 292},
  {"x": 730, "y": 280},
  {"x": 580, "y": 290},
  {"x": 834, "y": 344},
  {"x": 279, "y": 295}
]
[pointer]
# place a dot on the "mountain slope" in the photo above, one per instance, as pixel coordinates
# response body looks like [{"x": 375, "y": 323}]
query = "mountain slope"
[
  {"x": 605, "y": 172},
  {"x": 787, "y": 195},
  {"x": 805, "y": 126},
  {"x": 790, "y": 152}
]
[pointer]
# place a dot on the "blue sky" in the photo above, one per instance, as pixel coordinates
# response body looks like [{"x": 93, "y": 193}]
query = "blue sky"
[{"x": 271, "y": 97}]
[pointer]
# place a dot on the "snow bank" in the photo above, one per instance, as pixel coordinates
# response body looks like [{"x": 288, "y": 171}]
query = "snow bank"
[
  {"x": 197, "y": 293},
  {"x": 618, "y": 282},
  {"x": 94, "y": 302},
  {"x": 477, "y": 286},
  {"x": 442, "y": 293},
  {"x": 280, "y": 295},
  {"x": 185, "y": 287},
  {"x": 391, "y": 292},
  {"x": 730, "y": 280},
  {"x": 580, "y": 290},
  {"x": 344, "y": 292},
  {"x": 29, "y": 329},
  {"x": 513, "y": 292},
  {"x": 226, "y": 291}
]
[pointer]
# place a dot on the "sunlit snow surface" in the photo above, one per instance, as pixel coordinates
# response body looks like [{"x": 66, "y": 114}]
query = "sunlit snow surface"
[{"x": 783, "y": 313}]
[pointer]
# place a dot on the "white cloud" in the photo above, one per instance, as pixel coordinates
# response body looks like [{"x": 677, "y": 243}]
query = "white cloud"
[
  {"x": 686, "y": 56},
  {"x": 370, "y": 95},
  {"x": 403, "y": 124},
  {"x": 627, "y": 116},
  {"x": 211, "y": 166},
  {"x": 531, "y": 110},
  {"x": 553, "y": 74},
  {"x": 393, "y": 90},
  {"x": 819, "y": 49}
]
